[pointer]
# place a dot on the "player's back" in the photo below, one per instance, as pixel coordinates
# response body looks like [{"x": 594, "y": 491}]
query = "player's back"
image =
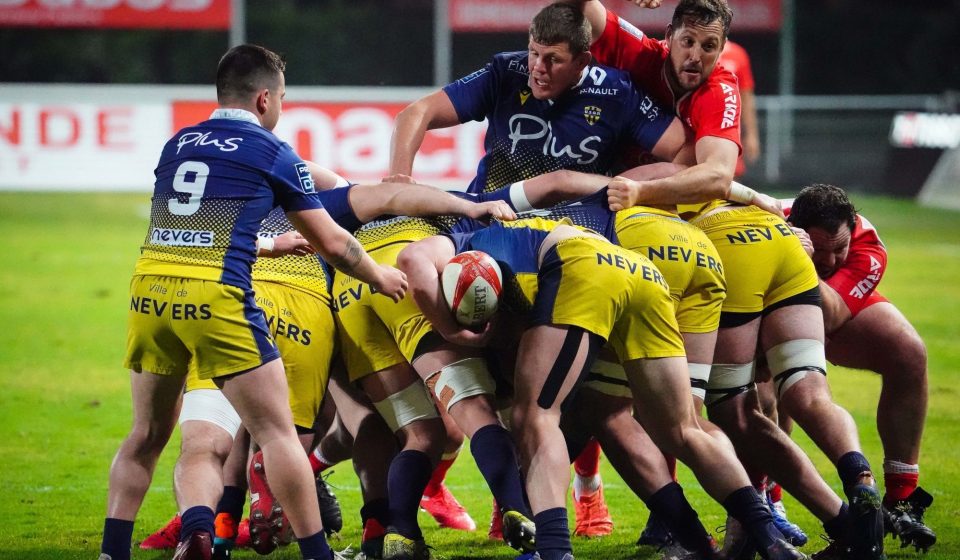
[{"x": 215, "y": 183}]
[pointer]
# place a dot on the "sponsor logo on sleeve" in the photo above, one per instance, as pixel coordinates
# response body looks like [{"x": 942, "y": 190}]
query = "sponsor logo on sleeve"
[
  {"x": 869, "y": 282},
  {"x": 473, "y": 76},
  {"x": 306, "y": 180},
  {"x": 730, "y": 101},
  {"x": 629, "y": 28}
]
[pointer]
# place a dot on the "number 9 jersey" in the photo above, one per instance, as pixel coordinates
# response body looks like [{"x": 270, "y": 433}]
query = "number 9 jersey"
[{"x": 215, "y": 183}]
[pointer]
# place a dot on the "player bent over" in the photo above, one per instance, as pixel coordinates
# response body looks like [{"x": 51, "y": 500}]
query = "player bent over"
[{"x": 580, "y": 290}]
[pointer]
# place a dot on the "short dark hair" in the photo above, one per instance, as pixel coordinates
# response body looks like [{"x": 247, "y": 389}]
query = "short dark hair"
[
  {"x": 561, "y": 22},
  {"x": 703, "y": 12},
  {"x": 245, "y": 70},
  {"x": 822, "y": 206}
]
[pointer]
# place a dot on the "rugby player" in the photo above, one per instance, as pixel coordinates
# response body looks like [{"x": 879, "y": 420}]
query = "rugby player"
[
  {"x": 192, "y": 306},
  {"x": 577, "y": 291},
  {"x": 783, "y": 294}
]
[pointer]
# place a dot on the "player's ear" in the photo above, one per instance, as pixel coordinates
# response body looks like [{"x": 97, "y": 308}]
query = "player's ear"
[{"x": 263, "y": 101}]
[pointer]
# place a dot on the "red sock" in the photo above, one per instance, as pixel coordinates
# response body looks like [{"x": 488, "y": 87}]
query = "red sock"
[
  {"x": 672, "y": 466},
  {"x": 588, "y": 462},
  {"x": 439, "y": 474},
  {"x": 899, "y": 485},
  {"x": 775, "y": 491},
  {"x": 316, "y": 462}
]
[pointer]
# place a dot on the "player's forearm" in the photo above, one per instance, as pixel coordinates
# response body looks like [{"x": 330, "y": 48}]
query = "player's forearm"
[
  {"x": 409, "y": 130},
  {"x": 700, "y": 183},
  {"x": 555, "y": 187},
  {"x": 422, "y": 200},
  {"x": 424, "y": 280},
  {"x": 835, "y": 311}
]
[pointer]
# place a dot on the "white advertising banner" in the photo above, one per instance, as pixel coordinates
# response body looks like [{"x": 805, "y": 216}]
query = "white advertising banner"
[{"x": 97, "y": 138}]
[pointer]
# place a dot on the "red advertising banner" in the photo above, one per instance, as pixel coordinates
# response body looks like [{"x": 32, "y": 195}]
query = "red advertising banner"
[
  {"x": 515, "y": 15},
  {"x": 156, "y": 14},
  {"x": 353, "y": 140}
]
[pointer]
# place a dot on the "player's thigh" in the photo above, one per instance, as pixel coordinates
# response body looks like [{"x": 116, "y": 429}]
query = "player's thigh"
[
  {"x": 661, "y": 392},
  {"x": 366, "y": 344},
  {"x": 261, "y": 399},
  {"x": 304, "y": 329},
  {"x": 874, "y": 339},
  {"x": 551, "y": 362}
]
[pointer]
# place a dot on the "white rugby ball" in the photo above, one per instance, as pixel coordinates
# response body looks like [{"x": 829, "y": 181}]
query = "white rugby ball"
[{"x": 472, "y": 283}]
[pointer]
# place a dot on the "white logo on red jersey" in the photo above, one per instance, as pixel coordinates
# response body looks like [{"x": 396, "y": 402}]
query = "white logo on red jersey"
[
  {"x": 729, "y": 105},
  {"x": 869, "y": 282}
]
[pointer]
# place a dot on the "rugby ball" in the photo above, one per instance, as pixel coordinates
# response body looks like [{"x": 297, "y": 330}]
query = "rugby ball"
[{"x": 472, "y": 283}]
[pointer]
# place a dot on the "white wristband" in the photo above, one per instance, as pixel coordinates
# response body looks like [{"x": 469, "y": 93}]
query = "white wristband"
[
  {"x": 265, "y": 244},
  {"x": 519, "y": 198},
  {"x": 741, "y": 193}
]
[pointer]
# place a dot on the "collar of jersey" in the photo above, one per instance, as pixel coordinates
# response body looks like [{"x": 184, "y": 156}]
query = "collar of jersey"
[{"x": 235, "y": 114}]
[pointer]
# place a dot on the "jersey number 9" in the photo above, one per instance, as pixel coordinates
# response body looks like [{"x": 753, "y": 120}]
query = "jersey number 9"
[{"x": 191, "y": 178}]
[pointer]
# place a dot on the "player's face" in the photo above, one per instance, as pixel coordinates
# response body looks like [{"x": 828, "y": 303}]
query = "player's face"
[
  {"x": 553, "y": 69},
  {"x": 274, "y": 105},
  {"x": 694, "y": 50},
  {"x": 829, "y": 249}
]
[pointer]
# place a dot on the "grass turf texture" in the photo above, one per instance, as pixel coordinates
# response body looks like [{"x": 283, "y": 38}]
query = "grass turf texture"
[{"x": 65, "y": 402}]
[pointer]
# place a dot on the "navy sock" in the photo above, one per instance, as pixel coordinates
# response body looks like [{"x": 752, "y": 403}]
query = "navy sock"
[
  {"x": 496, "y": 457},
  {"x": 117, "y": 538},
  {"x": 378, "y": 509},
  {"x": 836, "y": 526},
  {"x": 553, "y": 534},
  {"x": 409, "y": 474},
  {"x": 232, "y": 502},
  {"x": 315, "y": 547},
  {"x": 195, "y": 519},
  {"x": 850, "y": 467},
  {"x": 671, "y": 508},
  {"x": 746, "y": 506}
]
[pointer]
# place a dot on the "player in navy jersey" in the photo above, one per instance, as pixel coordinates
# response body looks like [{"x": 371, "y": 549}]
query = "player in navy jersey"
[
  {"x": 191, "y": 305},
  {"x": 547, "y": 108}
]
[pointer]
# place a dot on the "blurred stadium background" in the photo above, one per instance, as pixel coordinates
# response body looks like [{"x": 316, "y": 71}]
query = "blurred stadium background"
[{"x": 864, "y": 95}]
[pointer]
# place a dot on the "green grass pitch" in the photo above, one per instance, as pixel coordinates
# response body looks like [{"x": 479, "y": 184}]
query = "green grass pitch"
[{"x": 64, "y": 398}]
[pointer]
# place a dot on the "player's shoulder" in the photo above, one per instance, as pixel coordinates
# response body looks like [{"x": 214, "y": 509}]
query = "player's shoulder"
[
  {"x": 514, "y": 62},
  {"x": 721, "y": 82}
]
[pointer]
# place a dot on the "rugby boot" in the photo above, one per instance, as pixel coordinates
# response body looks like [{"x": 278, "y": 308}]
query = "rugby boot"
[
  {"x": 793, "y": 533},
  {"x": 782, "y": 550},
  {"x": 737, "y": 544},
  {"x": 269, "y": 527},
  {"x": 330, "y": 513},
  {"x": 495, "y": 532},
  {"x": 904, "y": 519},
  {"x": 398, "y": 547},
  {"x": 224, "y": 536},
  {"x": 593, "y": 517},
  {"x": 864, "y": 536},
  {"x": 519, "y": 531},
  {"x": 167, "y": 537},
  {"x": 243, "y": 534},
  {"x": 536, "y": 556},
  {"x": 198, "y": 547},
  {"x": 447, "y": 511}
]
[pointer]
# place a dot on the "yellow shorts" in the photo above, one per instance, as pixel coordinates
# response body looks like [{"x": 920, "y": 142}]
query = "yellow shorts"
[
  {"x": 687, "y": 259},
  {"x": 375, "y": 332},
  {"x": 303, "y": 327},
  {"x": 178, "y": 324},
  {"x": 609, "y": 291},
  {"x": 763, "y": 260}
]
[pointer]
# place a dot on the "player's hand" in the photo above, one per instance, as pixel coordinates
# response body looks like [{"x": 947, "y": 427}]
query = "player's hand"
[
  {"x": 492, "y": 209},
  {"x": 392, "y": 283},
  {"x": 647, "y": 3},
  {"x": 804, "y": 238},
  {"x": 291, "y": 243},
  {"x": 622, "y": 193},
  {"x": 398, "y": 178},
  {"x": 768, "y": 203}
]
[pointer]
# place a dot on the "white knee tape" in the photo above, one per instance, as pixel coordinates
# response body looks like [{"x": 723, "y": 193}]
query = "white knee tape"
[
  {"x": 466, "y": 378},
  {"x": 793, "y": 360},
  {"x": 699, "y": 377},
  {"x": 407, "y": 406},
  {"x": 210, "y": 405},
  {"x": 609, "y": 378},
  {"x": 728, "y": 380}
]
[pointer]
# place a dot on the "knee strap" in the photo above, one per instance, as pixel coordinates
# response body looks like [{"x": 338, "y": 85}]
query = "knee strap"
[
  {"x": 407, "y": 406},
  {"x": 727, "y": 381},
  {"x": 792, "y": 360},
  {"x": 466, "y": 378}
]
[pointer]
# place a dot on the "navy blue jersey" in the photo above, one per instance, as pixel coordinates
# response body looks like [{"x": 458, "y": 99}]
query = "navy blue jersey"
[
  {"x": 584, "y": 129},
  {"x": 215, "y": 184}
]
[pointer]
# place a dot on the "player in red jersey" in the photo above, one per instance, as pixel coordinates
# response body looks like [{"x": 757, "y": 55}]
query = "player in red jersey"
[
  {"x": 735, "y": 59},
  {"x": 866, "y": 331}
]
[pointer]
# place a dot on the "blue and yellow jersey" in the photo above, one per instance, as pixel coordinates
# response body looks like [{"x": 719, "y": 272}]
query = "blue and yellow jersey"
[
  {"x": 584, "y": 129},
  {"x": 215, "y": 184},
  {"x": 311, "y": 272},
  {"x": 693, "y": 211},
  {"x": 387, "y": 231},
  {"x": 589, "y": 213}
]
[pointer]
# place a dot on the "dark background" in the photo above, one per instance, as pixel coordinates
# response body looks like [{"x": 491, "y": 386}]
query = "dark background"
[{"x": 842, "y": 47}]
